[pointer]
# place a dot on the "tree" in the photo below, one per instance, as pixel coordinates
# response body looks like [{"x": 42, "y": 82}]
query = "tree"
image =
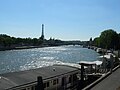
[
  {"x": 96, "y": 42},
  {"x": 5, "y": 40},
  {"x": 109, "y": 39},
  {"x": 35, "y": 41},
  {"x": 119, "y": 41},
  {"x": 90, "y": 41}
]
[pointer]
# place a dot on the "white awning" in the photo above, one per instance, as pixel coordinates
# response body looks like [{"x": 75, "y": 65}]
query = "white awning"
[{"x": 92, "y": 62}]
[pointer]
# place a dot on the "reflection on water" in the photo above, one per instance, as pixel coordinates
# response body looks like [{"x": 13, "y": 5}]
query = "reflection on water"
[{"x": 15, "y": 60}]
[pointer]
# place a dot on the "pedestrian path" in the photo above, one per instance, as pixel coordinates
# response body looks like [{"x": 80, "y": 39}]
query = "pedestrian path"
[{"x": 112, "y": 82}]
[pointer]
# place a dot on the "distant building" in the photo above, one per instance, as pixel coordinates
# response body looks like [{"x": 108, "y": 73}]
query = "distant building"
[{"x": 42, "y": 35}]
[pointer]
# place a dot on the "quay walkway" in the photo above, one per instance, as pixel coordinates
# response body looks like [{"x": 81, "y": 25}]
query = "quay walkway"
[{"x": 112, "y": 82}]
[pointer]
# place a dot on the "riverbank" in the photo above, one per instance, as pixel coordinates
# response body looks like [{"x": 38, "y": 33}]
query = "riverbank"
[{"x": 22, "y": 47}]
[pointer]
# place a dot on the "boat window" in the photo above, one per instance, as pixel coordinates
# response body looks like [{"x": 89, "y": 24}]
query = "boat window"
[
  {"x": 70, "y": 79},
  {"x": 48, "y": 84},
  {"x": 55, "y": 81},
  {"x": 74, "y": 77},
  {"x": 63, "y": 81},
  {"x": 33, "y": 88}
]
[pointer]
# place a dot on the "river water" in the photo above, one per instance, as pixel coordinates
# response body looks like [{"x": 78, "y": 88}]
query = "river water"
[{"x": 25, "y": 59}]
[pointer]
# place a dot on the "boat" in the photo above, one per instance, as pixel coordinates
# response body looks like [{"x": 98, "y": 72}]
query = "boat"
[{"x": 56, "y": 77}]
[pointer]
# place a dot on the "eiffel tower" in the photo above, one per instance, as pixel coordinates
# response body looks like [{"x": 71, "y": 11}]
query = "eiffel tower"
[{"x": 42, "y": 35}]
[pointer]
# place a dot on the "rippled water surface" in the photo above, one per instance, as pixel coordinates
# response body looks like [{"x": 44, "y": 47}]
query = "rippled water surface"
[{"x": 16, "y": 60}]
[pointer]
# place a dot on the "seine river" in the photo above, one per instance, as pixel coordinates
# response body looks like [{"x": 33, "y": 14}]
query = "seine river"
[{"x": 17, "y": 60}]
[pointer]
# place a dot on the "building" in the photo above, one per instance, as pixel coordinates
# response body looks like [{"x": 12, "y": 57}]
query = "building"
[
  {"x": 56, "y": 77},
  {"x": 42, "y": 35}
]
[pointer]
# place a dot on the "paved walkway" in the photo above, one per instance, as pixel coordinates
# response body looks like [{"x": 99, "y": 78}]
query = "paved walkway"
[{"x": 112, "y": 82}]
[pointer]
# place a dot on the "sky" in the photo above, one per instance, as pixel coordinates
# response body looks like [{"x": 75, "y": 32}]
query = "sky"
[{"x": 63, "y": 19}]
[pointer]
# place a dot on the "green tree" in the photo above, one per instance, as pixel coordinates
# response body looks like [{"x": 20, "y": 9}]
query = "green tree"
[
  {"x": 90, "y": 41},
  {"x": 96, "y": 42},
  {"x": 109, "y": 39},
  {"x": 119, "y": 41},
  {"x": 35, "y": 41},
  {"x": 5, "y": 40}
]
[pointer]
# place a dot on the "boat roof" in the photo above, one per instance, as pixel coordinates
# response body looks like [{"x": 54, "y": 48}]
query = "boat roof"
[{"x": 13, "y": 79}]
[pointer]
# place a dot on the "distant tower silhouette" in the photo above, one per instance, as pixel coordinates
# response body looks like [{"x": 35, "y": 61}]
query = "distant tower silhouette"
[{"x": 42, "y": 35}]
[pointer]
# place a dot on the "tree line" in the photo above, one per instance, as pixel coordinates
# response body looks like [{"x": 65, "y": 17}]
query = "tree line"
[
  {"x": 109, "y": 39},
  {"x": 8, "y": 41},
  {"x": 12, "y": 42}
]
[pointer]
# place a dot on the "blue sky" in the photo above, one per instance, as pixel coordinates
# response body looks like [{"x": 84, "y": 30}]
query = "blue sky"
[{"x": 63, "y": 19}]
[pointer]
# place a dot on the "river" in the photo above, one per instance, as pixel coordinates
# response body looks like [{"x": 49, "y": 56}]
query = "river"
[{"x": 25, "y": 59}]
